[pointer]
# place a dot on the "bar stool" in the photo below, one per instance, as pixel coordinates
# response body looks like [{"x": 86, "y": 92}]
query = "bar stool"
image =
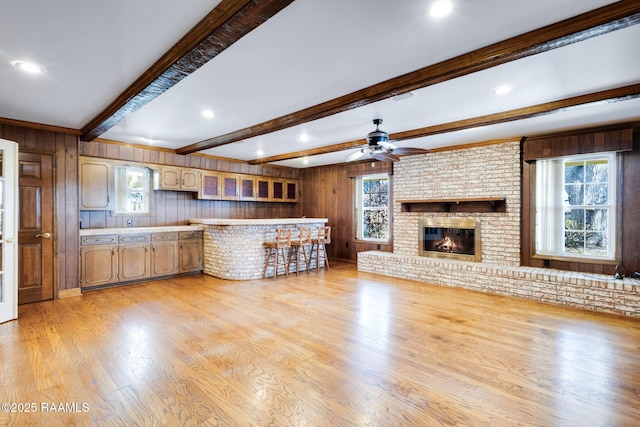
[
  {"x": 299, "y": 248},
  {"x": 318, "y": 245},
  {"x": 277, "y": 249}
]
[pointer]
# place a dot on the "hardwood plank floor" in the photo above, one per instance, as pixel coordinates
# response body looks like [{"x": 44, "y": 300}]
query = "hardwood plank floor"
[{"x": 336, "y": 348}]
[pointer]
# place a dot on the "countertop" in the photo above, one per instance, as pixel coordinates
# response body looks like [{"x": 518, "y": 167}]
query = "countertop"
[
  {"x": 132, "y": 230},
  {"x": 264, "y": 221}
]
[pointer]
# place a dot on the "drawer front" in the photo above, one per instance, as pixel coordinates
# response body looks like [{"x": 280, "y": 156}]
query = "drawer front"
[
  {"x": 186, "y": 235},
  {"x": 99, "y": 240},
  {"x": 133, "y": 238},
  {"x": 164, "y": 237}
]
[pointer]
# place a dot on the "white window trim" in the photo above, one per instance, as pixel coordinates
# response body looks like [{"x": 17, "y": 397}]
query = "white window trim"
[
  {"x": 359, "y": 208},
  {"x": 121, "y": 194},
  {"x": 549, "y": 172}
]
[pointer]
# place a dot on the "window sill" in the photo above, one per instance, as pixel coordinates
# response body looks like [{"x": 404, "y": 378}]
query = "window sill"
[{"x": 604, "y": 261}]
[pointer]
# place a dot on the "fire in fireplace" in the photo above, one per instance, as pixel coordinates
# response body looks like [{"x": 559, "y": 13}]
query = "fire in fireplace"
[{"x": 453, "y": 238}]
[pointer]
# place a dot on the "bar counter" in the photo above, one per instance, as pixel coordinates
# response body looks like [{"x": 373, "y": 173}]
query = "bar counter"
[{"x": 233, "y": 247}]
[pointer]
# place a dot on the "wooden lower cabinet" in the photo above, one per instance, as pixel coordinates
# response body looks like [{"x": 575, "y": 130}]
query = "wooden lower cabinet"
[
  {"x": 111, "y": 259},
  {"x": 133, "y": 262},
  {"x": 190, "y": 251},
  {"x": 164, "y": 254},
  {"x": 99, "y": 265}
]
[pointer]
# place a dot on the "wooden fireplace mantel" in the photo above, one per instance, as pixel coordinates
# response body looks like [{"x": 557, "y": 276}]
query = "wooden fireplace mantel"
[{"x": 477, "y": 204}]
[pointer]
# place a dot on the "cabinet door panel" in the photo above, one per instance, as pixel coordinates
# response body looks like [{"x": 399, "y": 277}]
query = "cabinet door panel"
[
  {"x": 247, "y": 188},
  {"x": 96, "y": 184},
  {"x": 134, "y": 262},
  {"x": 164, "y": 258},
  {"x": 230, "y": 187},
  {"x": 99, "y": 265},
  {"x": 190, "y": 255},
  {"x": 263, "y": 190},
  {"x": 210, "y": 186},
  {"x": 189, "y": 180}
]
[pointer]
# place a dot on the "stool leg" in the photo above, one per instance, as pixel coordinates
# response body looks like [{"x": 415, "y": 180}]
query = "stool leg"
[
  {"x": 275, "y": 264},
  {"x": 313, "y": 249},
  {"x": 291, "y": 252},
  {"x": 269, "y": 251},
  {"x": 306, "y": 260},
  {"x": 324, "y": 253},
  {"x": 284, "y": 262}
]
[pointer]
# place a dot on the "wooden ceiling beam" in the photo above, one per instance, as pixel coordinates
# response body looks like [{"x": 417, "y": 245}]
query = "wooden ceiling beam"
[
  {"x": 600, "y": 21},
  {"x": 222, "y": 27},
  {"x": 609, "y": 96}
]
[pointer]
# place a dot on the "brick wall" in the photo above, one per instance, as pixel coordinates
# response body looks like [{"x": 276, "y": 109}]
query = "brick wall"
[
  {"x": 489, "y": 171},
  {"x": 486, "y": 171}
]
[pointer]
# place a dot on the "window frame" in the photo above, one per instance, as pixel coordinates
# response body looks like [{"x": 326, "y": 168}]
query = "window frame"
[
  {"x": 120, "y": 174},
  {"x": 360, "y": 209},
  {"x": 614, "y": 181}
]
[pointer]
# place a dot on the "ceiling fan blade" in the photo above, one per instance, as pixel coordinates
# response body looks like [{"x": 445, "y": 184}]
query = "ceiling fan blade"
[
  {"x": 387, "y": 145},
  {"x": 355, "y": 155},
  {"x": 385, "y": 157},
  {"x": 410, "y": 150}
]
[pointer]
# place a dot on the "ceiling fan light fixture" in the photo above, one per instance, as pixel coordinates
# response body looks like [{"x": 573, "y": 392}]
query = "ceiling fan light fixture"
[
  {"x": 379, "y": 148},
  {"x": 377, "y": 136}
]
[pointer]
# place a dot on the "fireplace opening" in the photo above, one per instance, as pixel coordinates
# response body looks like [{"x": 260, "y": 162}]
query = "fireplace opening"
[{"x": 450, "y": 238}]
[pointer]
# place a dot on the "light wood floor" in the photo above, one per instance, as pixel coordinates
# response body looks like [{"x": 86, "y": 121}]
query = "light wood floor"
[{"x": 337, "y": 348}]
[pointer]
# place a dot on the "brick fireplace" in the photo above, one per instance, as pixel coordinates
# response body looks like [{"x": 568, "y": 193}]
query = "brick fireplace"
[
  {"x": 449, "y": 238},
  {"x": 487, "y": 173}
]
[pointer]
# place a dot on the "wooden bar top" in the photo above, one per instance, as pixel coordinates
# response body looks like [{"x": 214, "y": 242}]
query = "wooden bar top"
[{"x": 263, "y": 221}]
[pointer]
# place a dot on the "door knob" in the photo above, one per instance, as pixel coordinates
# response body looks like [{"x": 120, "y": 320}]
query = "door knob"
[{"x": 45, "y": 235}]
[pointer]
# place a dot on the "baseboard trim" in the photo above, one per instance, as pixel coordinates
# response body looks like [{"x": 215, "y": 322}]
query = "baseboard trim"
[{"x": 69, "y": 293}]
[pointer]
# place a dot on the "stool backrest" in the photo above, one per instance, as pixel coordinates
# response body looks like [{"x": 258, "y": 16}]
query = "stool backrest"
[
  {"x": 304, "y": 234},
  {"x": 324, "y": 234},
  {"x": 283, "y": 238}
]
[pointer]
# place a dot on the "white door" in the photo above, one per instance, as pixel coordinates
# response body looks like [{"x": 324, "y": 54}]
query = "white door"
[{"x": 8, "y": 230}]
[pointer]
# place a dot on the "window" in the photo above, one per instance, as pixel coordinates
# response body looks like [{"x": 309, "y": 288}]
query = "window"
[
  {"x": 133, "y": 190},
  {"x": 372, "y": 206},
  {"x": 575, "y": 206}
]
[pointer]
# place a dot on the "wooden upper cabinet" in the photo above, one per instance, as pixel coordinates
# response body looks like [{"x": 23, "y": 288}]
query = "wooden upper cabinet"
[
  {"x": 247, "y": 187},
  {"x": 230, "y": 186},
  {"x": 277, "y": 190},
  {"x": 210, "y": 186},
  {"x": 178, "y": 179},
  {"x": 263, "y": 189},
  {"x": 291, "y": 191},
  {"x": 97, "y": 185}
]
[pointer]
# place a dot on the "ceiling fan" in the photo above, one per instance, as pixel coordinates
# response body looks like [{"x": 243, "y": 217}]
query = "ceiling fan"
[{"x": 379, "y": 147}]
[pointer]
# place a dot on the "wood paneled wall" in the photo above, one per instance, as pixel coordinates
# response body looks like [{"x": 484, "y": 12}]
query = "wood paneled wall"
[
  {"x": 176, "y": 208},
  {"x": 328, "y": 192},
  {"x": 64, "y": 148}
]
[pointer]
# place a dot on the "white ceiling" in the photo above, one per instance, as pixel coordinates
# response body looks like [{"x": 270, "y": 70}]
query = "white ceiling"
[{"x": 310, "y": 52}]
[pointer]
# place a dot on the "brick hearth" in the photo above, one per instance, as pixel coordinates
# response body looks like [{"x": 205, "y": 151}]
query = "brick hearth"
[{"x": 485, "y": 171}]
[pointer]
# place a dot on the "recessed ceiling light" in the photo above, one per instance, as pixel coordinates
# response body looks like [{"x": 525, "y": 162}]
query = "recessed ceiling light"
[
  {"x": 208, "y": 114},
  {"x": 305, "y": 160},
  {"x": 502, "y": 90},
  {"x": 303, "y": 137},
  {"x": 259, "y": 153},
  {"x": 148, "y": 140},
  {"x": 28, "y": 67},
  {"x": 440, "y": 8}
]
